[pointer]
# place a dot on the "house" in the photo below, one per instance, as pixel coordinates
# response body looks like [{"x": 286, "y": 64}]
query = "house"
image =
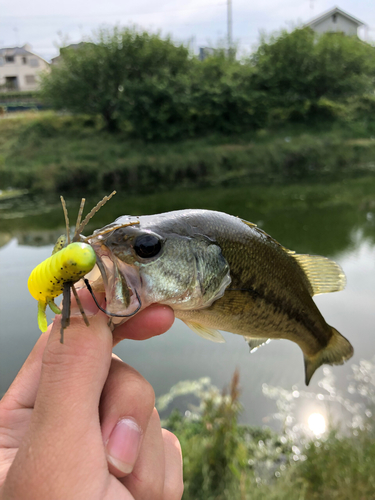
[
  {"x": 335, "y": 21},
  {"x": 20, "y": 69},
  {"x": 205, "y": 52},
  {"x": 72, "y": 46}
]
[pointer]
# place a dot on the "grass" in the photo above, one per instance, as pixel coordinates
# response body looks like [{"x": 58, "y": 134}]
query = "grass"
[
  {"x": 44, "y": 151},
  {"x": 224, "y": 460}
]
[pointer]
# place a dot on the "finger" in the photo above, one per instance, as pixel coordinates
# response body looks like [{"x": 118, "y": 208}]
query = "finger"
[
  {"x": 64, "y": 442},
  {"x": 74, "y": 373},
  {"x": 147, "y": 479},
  {"x": 152, "y": 321},
  {"x": 125, "y": 415},
  {"x": 23, "y": 390},
  {"x": 173, "y": 483}
]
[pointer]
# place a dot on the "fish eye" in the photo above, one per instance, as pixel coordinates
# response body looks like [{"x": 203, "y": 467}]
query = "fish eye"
[{"x": 147, "y": 246}]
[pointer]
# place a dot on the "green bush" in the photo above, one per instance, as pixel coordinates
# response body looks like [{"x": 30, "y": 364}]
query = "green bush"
[
  {"x": 224, "y": 460},
  {"x": 309, "y": 76},
  {"x": 150, "y": 88},
  {"x": 121, "y": 74},
  {"x": 223, "y": 99}
]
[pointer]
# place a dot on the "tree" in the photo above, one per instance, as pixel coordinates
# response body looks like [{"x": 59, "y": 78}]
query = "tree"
[
  {"x": 223, "y": 97},
  {"x": 120, "y": 74},
  {"x": 301, "y": 70}
]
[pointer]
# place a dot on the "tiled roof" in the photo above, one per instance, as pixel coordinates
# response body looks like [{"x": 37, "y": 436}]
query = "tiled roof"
[
  {"x": 18, "y": 51},
  {"x": 15, "y": 51}
]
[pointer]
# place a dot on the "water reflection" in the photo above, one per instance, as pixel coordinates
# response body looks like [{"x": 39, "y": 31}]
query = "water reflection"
[{"x": 345, "y": 231}]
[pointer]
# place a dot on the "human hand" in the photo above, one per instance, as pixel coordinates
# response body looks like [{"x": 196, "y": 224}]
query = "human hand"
[{"x": 78, "y": 423}]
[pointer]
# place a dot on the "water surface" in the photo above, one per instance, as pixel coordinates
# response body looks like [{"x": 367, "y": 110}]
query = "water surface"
[{"x": 304, "y": 220}]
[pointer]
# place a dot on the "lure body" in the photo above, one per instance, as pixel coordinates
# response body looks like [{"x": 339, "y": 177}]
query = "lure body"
[{"x": 46, "y": 281}]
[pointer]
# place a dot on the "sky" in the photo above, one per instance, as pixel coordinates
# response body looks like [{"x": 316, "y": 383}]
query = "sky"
[{"x": 47, "y": 25}]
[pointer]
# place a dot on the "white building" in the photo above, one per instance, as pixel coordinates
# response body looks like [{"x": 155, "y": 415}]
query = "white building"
[
  {"x": 20, "y": 69},
  {"x": 335, "y": 21}
]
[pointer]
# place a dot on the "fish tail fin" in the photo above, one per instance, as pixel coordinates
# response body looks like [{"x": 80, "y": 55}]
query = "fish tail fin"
[{"x": 338, "y": 350}]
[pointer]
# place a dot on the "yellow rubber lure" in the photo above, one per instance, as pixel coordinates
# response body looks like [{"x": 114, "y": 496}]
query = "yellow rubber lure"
[{"x": 66, "y": 265}]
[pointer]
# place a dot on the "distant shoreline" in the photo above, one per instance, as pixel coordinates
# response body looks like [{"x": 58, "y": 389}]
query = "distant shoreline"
[{"x": 51, "y": 152}]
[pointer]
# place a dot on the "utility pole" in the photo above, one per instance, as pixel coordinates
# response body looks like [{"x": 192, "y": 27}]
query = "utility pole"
[{"x": 229, "y": 26}]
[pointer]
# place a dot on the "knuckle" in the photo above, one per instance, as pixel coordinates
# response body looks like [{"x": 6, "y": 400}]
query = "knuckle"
[
  {"x": 140, "y": 396},
  {"x": 136, "y": 384},
  {"x": 147, "y": 487},
  {"x": 144, "y": 388}
]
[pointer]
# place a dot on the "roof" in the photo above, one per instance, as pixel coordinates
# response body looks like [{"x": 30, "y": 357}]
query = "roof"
[
  {"x": 14, "y": 51},
  {"x": 74, "y": 46},
  {"x": 18, "y": 51},
  {"x": 335, "y": 10}
]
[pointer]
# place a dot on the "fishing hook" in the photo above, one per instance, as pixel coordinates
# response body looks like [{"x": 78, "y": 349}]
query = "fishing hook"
[{"x": 107, "y": 312}]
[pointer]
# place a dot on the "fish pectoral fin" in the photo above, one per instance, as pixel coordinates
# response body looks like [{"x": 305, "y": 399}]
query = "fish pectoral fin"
[
  {"x": 205, "y": 332},
  {"x": 254, "y": 344},
  {"x": 324, "y": 274},
  {"x": 338, "y": 350}
]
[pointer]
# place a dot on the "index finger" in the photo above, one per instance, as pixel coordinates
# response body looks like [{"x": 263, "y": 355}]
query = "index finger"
[{"x": 150, "y": 322}]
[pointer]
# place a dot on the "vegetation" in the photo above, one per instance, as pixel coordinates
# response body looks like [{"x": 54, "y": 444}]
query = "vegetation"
[
  {"x": 20, "y": 101},
  {"x": 122, "y": 75},
  {"x": 307, "y": 77},
  {"x": 224, "y": 460},
  {"x": 138, "y": 113},
  {"x": 44, "y": 151},
  {"x": 18, "y": 95},
  {"x": 152, "y": 89}
]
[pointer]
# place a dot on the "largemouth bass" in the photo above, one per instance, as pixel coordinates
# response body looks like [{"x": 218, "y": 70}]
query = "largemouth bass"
[{"x": 219, "y": 272}]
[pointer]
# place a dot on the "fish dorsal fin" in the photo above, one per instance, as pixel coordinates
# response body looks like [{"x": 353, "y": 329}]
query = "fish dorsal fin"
[
  {"x": 250, "y": 224},
  {"x": 205, "y": 332},
  {"x": 324, "y": 274},
  {"x": 254, "y": 344}
]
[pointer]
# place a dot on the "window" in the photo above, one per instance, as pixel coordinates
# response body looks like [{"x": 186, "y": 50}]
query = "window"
[
  {"x": 11, "y": 82},
  {"x": 9, "y": 59},
  {"x": 24, "y": 60},
  {"x": 34, "y": 63},
  {"x": 30, "y": 79},
  {"x": 334, "y": 18}
]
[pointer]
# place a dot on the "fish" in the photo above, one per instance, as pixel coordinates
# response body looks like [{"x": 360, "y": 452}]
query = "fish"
[{"x": 218, "y": 273}]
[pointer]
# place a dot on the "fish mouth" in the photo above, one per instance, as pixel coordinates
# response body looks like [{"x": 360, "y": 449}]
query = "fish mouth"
[{"x": 120, "y": 282}]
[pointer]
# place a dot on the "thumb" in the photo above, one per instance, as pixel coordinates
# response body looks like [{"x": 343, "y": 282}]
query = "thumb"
[
  {"x": 73, "y": 373},
  {"x": 64, "y": 442}
]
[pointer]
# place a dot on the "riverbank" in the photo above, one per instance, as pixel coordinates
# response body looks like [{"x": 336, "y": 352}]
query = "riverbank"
[{"x": 48, "y": 152}]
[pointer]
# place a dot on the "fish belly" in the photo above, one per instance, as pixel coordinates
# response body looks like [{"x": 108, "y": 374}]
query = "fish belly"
[{"x": 239, "y": 313}]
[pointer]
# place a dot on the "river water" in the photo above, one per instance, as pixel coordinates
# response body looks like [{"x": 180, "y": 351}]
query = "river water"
[{"x": 307, "y": 223}]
